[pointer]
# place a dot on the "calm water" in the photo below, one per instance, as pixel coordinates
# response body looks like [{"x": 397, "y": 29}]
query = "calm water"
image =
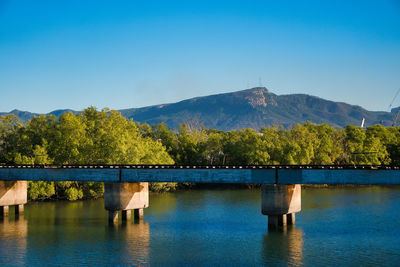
[{"x": 339, "y": 226}]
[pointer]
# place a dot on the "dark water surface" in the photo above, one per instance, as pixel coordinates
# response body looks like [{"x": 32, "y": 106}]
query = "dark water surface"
[{"x": 337, "y": 227}]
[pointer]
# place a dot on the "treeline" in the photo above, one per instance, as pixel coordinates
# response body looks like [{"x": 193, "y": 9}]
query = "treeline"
[
  {"x": 303, "y": 144},
  {"x": 105, "y": 137},
  {"x": 92, "y": 137}
]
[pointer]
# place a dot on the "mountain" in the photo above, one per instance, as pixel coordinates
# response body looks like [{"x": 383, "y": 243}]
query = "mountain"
[
  {"x": 22, "y": 115},
  {"x": 59, "y": 112},
  {"x": 254, "y": 108},
  {"x": 26, "y": 115},
  {"x": 251, "y": 108}
]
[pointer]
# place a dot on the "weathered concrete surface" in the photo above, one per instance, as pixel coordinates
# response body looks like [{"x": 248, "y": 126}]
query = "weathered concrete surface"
[
  {"x": 126, "y": 215},
  {"x": 291, "y": 219},
  {"x": 246, "y": 176},
  {"x": 140, "y": 175},
  {"x": 138, "y": 214},
  {"x": 4, "y": 211},
  {"x": 54, "y": 174},
  {"x": 334, "y": 176},
  {"x": 275, "y": 220},
  {"x": 13, "y": 193},
  {"x": 280, "y": 199},
  {"x": 112, "y": 217},
  {"x": 126, "y": 196},
  {"x": 210, "y": 175},
  {"x": 19, "y": 209}
]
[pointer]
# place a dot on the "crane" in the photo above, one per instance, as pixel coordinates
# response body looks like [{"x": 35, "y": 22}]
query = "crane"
[{"x": 396, "y": 117}]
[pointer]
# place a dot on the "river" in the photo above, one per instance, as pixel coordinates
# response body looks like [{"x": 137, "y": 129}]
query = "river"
[{"x": 352, "y": 226}]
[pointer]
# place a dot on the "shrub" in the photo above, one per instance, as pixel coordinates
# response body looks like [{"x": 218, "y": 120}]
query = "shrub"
[
  {"x": 40, "y": 190},
  {"x": 73, "y": 193}
]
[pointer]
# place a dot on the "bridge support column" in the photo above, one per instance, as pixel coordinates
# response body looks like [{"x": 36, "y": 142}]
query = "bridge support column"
[
  {"x": 13, "y": 193},
  {"x": 113, "y": 216},
  {"x": 138, "y": 214},
  {"x": 280, "y": 202},
  {"x": 125, "y": 197},
  {"x": 291, "y": 218},
  {"x": 3, "y": 211},
  {"x": 126, "y": 215}
]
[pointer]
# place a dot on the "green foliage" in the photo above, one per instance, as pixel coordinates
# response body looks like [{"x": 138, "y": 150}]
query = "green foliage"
[
  {"x": 191, "y": 145},
  {"x": 246, "y": 147},
  {"x": 40, "y": 190},
  {"x": 93, "y": 137},
  {"x": 163, "y": 187},
  {"x": 303, "y": 144},
  {"x": 162, "y": 134},
  {"x": 105, "y": 137},
  {"x": 92, "y": 189},
  {"x": 73, "y": 193}
]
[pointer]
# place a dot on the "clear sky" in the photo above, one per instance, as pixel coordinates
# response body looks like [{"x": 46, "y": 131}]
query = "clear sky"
[{"x": 123, "y": 54}]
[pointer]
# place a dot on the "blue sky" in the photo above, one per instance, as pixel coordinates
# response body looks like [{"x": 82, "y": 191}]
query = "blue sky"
[{"x": 122, "y": 54}]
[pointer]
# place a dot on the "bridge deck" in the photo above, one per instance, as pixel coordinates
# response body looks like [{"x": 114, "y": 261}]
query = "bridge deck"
[{"x": 252, "y": 174}]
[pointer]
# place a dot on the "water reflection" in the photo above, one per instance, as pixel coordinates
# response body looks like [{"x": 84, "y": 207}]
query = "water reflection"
[
  {"x": 136, "y": 245},
  {"x": 208, "y": 228},
  {"x": 13, "y": 233},
  {"x": 283, "y": 246},
  {"x": 79, "y": 233},
  {"x": 162, "y": 204}
]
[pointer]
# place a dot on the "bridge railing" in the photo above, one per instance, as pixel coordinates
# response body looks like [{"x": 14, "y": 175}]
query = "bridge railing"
[{"x": 160, "y": 166}]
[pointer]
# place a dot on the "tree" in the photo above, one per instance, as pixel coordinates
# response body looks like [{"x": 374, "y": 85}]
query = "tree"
[
  {"x": 246, "y": 147},
  {"x": 162, "y": 134},
  {"x": 191, "y": 145},
  {"x": 93, "y": 137}
]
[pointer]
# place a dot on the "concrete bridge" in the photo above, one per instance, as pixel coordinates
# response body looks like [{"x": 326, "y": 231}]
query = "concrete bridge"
[{"x": 126, "y": 186}]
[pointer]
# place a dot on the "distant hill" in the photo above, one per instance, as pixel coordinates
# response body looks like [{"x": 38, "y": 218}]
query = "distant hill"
[
  {"x": 26, "y": 115},
  {"x": 22, "y": 115},
  {"x": 59, "y": 112},
  {"x": 254, "y": 108},
  {"x": 251, "y": 108}
]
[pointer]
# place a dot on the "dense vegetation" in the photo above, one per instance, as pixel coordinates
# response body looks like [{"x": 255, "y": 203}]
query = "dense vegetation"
[
  {"x": 302, "y": 144},
  {"x": 93, "y": 137},
  {"x": 105, "y": 137}
]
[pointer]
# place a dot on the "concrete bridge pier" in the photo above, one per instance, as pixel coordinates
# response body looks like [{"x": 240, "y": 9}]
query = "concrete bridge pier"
[
  {"x": 125, "y": 197},
  {"x": 3, "y": 211},
  {"x": 280, "y": 203},
  {"x": 13, "y": 193}
]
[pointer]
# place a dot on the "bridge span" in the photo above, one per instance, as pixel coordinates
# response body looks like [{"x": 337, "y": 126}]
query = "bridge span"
[
  {"x": 126, "y": 186},
  {"x": 244, "y": 174}
]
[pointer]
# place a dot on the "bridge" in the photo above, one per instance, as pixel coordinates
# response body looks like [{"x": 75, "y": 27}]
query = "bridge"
[{"x": 126, "y": 186}]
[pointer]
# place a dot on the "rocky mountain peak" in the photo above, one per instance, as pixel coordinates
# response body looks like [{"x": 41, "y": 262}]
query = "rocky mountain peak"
[
  {"x": 260, "y": 97},
  {"x": 251, "y": 108}
]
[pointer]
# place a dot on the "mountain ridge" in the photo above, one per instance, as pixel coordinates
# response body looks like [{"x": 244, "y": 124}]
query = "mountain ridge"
[{"x": 250, "y": 108}]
